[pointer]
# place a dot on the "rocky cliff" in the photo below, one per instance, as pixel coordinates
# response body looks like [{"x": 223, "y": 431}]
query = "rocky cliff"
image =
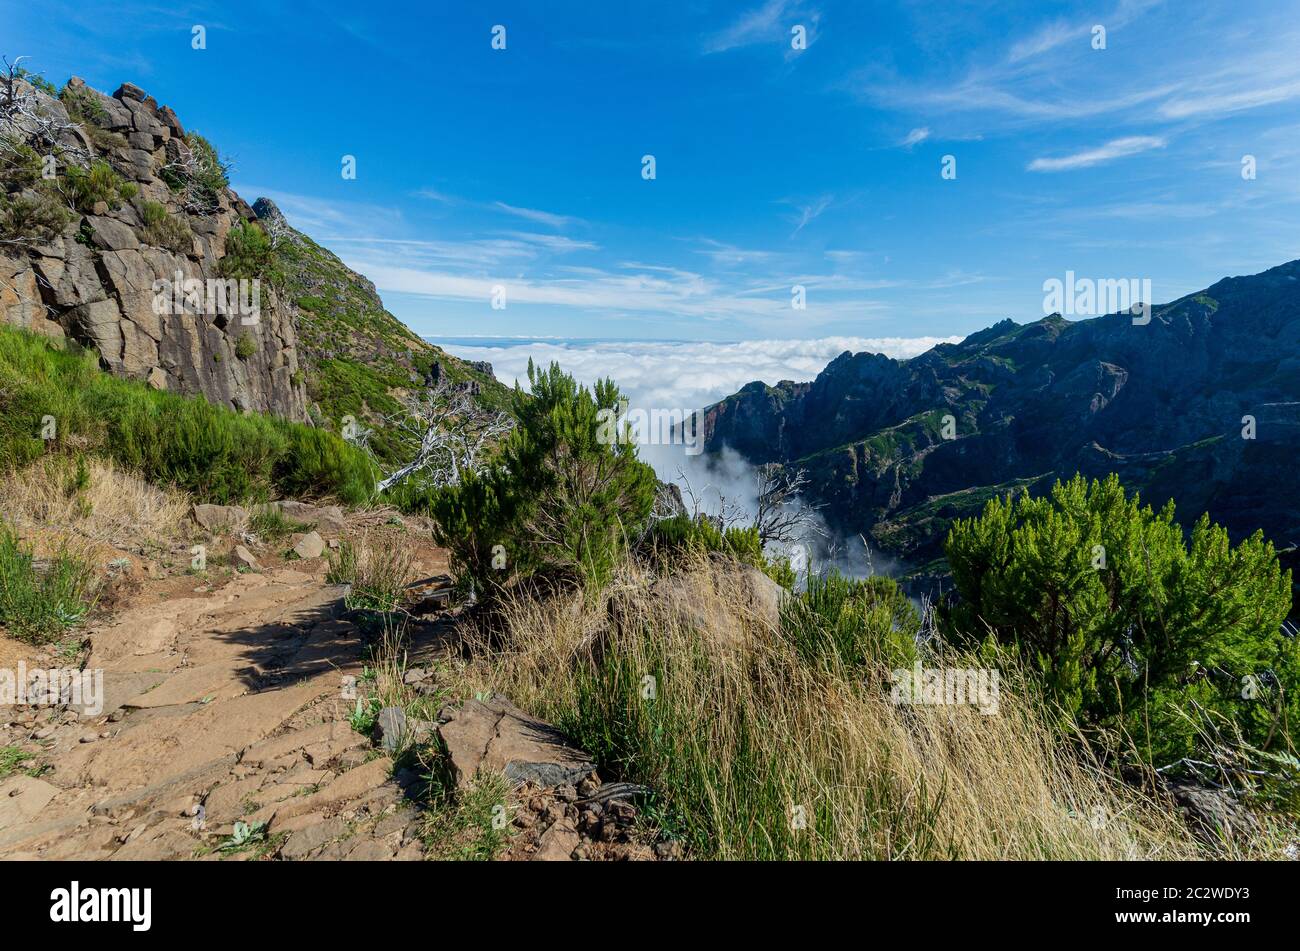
[
  {"x": 107, "y": 204},
  {"x": 1201, "y": 405},
  {"x": 97, "y": 278}
]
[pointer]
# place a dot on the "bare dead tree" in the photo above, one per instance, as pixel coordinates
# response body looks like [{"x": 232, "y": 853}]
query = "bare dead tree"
[
  {"x": 24, "y": 121},
  {"x": 450, "y": 435},
  {"x": 187, "y": 173},
  {"x": 784, "y": 515},
  {"x": 277, "y": 229},
  {"x": 729, "y": 513}
]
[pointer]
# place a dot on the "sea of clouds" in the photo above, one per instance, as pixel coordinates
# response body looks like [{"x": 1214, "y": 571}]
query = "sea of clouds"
[
  {"x": 668, "y": 375},
  {"x": 688, "y": 375}
]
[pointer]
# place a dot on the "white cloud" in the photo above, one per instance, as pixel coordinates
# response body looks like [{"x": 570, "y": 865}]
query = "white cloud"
[
  {"x": 1219, "y": 103},
  {"x": 532, "y": 214},
  {"x": 769, "y": 23},
  {"x": 915, "y": 137},
  {"x": 810, "y": 211},
  {"x": 753, "y": 26},
  {"x": 685, "y": 375},
  {"x": 634, "y": 289},
  {"x": 1114, "y": 149}
]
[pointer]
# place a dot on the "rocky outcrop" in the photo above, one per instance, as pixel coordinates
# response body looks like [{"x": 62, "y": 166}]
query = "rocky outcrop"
[
  {"x": 1200, "y": 405},
  {"x": 105, "y": 279}
]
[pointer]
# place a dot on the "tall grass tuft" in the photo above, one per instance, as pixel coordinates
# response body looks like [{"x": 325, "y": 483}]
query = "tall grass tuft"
[
  {"x": 41, "y": 602},
  {"x": 789, "y": 745}
]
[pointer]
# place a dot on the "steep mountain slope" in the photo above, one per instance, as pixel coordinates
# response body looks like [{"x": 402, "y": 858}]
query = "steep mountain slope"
[
  {"x": 1162, "y": 404},
  {"x": 360, "y": 360},
  {"x": 133, "y": 200}
]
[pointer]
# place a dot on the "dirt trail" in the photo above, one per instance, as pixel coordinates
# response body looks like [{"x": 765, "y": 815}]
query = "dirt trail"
[{"x": 217, "y": 706}]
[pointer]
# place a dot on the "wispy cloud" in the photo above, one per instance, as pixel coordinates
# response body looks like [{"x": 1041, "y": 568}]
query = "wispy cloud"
[
  {"x": 915, "y": 137},
  {"x": 1114, "y": 149},
  {"x": 532, "y": 214},
  {"x": 1052, "y": 74},
  {"x": 769, "y": 23},
  {"x": 548, "y": 218},
  {"x": 809, "y": 211},
  {"x": 1221, "y": 103}
]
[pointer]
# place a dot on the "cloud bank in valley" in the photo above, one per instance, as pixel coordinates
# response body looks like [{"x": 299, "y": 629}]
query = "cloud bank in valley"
[{"x": 680, "y": 375}]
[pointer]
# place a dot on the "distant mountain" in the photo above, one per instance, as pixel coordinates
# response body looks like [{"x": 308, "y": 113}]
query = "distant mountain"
[{"x": 1161, "y": 404}]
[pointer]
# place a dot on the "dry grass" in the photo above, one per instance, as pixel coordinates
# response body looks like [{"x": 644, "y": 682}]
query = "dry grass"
[
  {"x": 377, "y": 569},
  {"x": 94, "y": 499},
  {"x": 741, "y": 744}
]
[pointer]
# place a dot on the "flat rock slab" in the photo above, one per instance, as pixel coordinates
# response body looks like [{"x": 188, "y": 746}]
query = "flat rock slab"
[
  {"x": 22, "y": 798},
  {"x": 173, "y": 745},
  {"x": 119, "y": 687},
  {"x": 497, "y": 736},
  {"x": 210, "y": 682}
]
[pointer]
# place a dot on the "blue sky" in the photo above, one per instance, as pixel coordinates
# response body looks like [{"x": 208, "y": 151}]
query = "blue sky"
[{"x": 522, "y": 167}]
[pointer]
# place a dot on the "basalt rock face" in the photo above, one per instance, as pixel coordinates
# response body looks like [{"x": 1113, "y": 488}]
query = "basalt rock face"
[
  {"x": 96, "y": 283},
  {"x": 1164, "y": 404}
]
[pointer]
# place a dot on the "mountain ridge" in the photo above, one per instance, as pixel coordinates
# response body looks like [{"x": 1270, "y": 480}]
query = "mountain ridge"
[{"x": 1164, "y": 404}]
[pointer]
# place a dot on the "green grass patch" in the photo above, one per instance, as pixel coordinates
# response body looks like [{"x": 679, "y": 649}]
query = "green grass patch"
[
  {"x": 214, "y": 453},
  {"x": 40, "y": 603}
]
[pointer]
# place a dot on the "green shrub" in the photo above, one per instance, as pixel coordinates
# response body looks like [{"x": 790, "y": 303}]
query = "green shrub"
[
  {"x": 161, "y": 228},
  {"x": 1132, "y": 625},
  {"x": 342, "y": 564},
  {"x": 558, "y": 499},
  {"x": 34, "y": 220},
  {"x": 213, "y": 172},
  {"x": 85, "y": 187},
  {"x": 38, "y": 604},
  {"x": 37, "y": 81},
  {"x": 378, "y": 574},
  {"x": 248, "y": 253},
  {"x": 202, "y": 179},
  {"x": 20, "y": 164},
  {"x": 670, "y": 538},
  {"x": 271, "y": 525},
  {"x": 83, "y": 106},
  {"x": 852, "y": 623},
  {"x": 245, "y": 346},
  {"x": 214, "y": 453}
]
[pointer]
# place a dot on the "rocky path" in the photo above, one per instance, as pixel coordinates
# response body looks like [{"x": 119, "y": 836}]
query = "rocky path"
[
  {"x": 224, "y": 731},
  {"x": 221, "y": 707}
]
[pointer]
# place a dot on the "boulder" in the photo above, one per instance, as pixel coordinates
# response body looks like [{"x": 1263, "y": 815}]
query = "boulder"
[
  {"x": 495, "y": 735},
  {"x": 558, "y": 842},
  {"x": 310, "y": 545},
  {"x": 328, "y": 519},
  {"x": 217, "y": 518},
  {"x": 245, "y": 557},
  {"x": 130, "y": 91},
  {"x": 101, "y": 322},
  {"x": 111, "y": 234}
]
